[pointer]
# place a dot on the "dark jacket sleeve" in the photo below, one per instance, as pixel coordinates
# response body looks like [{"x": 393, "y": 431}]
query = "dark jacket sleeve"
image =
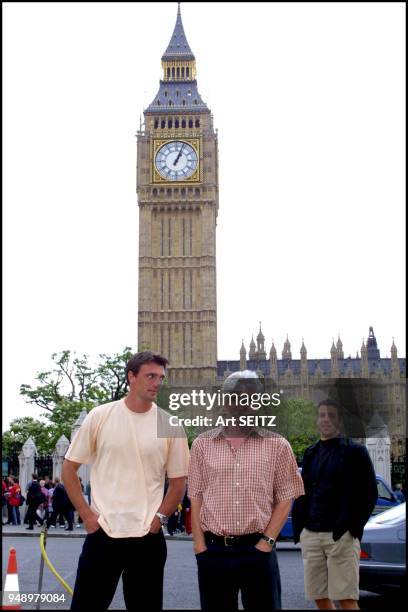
[
  {"x": 364, "y": 489},
  {"x": 299, "y": 508}
]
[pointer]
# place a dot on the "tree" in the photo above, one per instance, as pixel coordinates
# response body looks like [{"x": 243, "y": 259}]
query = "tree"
[
  {"x": 21, "y": 429},
  {"x": 74, "y": 381},
  {"x": 71, "y": 386}
]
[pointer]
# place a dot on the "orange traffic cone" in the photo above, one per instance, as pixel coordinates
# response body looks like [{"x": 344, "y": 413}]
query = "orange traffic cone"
[{"x": 11, "y": 588}]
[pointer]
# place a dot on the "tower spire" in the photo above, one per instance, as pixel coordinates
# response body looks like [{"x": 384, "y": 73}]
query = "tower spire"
[{"x": 178, "y": 47}]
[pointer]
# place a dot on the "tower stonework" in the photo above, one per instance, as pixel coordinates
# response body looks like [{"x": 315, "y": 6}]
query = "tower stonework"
[{"x": 177, "y": 188}]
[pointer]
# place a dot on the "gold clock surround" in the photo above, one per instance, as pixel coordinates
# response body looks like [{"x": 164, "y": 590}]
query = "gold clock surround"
[{"x": 157, "y": 143}]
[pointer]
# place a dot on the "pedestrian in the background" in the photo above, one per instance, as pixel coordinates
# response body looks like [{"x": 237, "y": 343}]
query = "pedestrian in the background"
[
  {"x": 61, "y": 504},
  {"x": 14, "y": 499},
  {"x": 35, "y": 498},
  {"x": 42, "y": 510},
  {"x": 398, "y": 493},
  {"x": 187, "y": 514},
  {"x": 172, "y": 523},
  {"x": 88, "y": 492},
  {"x": 4, "y": 495},
  {"x": 9, "y": 482}
]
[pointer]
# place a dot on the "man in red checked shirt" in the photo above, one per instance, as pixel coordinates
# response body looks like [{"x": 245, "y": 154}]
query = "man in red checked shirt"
[{"x": 241, "y": 483}]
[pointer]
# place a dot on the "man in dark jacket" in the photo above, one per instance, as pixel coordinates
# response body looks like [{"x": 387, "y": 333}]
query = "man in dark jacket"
[
  {"x": 340, "y": 495},
  {"x": 35, "y": 498},
  {"x": 61, "y": 504}
]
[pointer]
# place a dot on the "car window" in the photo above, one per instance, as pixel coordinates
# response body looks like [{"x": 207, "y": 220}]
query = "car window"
[
  {"x": 395, "y": 515},
  {"x": 383, "y": 491}
]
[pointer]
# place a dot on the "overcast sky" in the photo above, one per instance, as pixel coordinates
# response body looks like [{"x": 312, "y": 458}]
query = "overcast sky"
[{"x": 309, "y": 101}]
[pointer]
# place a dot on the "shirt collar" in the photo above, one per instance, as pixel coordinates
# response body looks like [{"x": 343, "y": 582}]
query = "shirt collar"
[{"x": 259, "y": 431}]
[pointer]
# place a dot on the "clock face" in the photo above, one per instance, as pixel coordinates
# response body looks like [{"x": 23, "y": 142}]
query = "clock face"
[{"x": 176, "y": 160}]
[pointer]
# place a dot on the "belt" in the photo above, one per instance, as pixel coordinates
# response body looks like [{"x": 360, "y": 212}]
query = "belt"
[{"x": 247, "y": 539}]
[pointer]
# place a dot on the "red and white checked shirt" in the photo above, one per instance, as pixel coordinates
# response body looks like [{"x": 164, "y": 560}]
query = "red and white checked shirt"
[{"x": 238, "y": 487}]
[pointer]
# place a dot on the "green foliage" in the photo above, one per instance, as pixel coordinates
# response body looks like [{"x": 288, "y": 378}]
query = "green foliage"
[
  {"x": 296, "y": 420},
  {"x": 21, "y": 429},
  {"x": 71, "y": 386}
]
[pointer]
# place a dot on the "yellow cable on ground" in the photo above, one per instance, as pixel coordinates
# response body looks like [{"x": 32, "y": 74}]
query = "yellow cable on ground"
[{"x": 52, "y": 568}]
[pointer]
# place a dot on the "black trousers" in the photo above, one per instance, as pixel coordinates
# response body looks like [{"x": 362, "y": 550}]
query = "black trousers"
[
  {"x": 103, "y": 560},
  {"x": 68, "y": 515},
  {"x": 224, "y": 571}
]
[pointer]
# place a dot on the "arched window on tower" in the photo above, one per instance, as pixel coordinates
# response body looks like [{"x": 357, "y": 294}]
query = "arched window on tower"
[
  {"x": 184, "y": 102},
  {"x": 176, "y": 123},
  {"x": 187, "y": 71},
  {"x": 183, "y": 123},
  {"x": 182, "y": 72},
  {"x": 197, "y": 123},
  {"x": 168, "y": 73},
  {"x": 156, "y": 123},
  {"x": 163, "y": 124},
  {"x": 178, "y": 73},
  {"x": 170, "y": 124},
  {"x": 190, "y": 123},
  {"x": 173, "y": 72}
]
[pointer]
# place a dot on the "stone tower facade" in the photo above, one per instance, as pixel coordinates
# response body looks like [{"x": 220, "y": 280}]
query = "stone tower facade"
[{"x": 177, "y": 188}]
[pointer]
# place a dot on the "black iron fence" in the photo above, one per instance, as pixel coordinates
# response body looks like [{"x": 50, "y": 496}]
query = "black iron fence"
[{"x": 42, "y": 466}]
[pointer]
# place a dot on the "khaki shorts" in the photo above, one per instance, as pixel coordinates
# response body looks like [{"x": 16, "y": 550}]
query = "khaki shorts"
[{"x": 331, "y": 569}]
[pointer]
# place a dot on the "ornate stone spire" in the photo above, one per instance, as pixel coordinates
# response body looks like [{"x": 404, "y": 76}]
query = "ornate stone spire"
[
  {"x": 252, "y": 349},
  {"x": 339, "y": 347},
  {"x": 286, "y": 353}
]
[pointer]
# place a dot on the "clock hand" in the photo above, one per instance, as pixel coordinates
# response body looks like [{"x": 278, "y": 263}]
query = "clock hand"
[{"x": 178, "y": 157}]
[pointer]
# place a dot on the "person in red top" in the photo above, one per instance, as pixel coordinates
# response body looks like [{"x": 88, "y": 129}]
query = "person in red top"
[
  {"x": 14, "y": 499},
  {"x": 4, "y": 495}
]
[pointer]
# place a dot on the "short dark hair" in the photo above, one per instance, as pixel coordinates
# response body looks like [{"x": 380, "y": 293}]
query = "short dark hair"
[
  {"x": 136, "y": 361},
  {"x": 331, "y": 402}
]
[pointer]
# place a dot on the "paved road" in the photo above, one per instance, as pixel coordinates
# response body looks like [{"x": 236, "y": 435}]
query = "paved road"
[{"x": 180, "y": 588}]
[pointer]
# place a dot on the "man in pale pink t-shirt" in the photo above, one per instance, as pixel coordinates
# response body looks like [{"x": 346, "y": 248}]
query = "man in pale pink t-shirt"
[{"x": 129, "y": 462}]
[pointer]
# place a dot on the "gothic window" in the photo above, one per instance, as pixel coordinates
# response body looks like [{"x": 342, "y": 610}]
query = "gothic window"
[
  {"x": 173, "y": 73},
  {"x": 168, "y": 73},
  {"x": 195, "y": 101},
  {"x": 170, "y": 124},
  {"x": 190, "y": 123},
  {"x": 165, "y": 93},
  {"x": 176, "y": 123},
  {"x": 182, "y": 72},
  {"x": 187, "y": 71},
  {"x": 178, "y": 73},
  {"x": 184, "y": 102},
  {"x": 170, "y": 103},
  {"x": 156, "y": 123},
  {"x": 183, "y": 123},
  {"x": 197, "y": 123},
  {"x": 158, "y": 102},
  {"x": 163, "y": 124}
]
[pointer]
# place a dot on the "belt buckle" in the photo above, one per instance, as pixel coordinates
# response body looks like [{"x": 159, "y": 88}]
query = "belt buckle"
[{"x": 228, "y": 538}]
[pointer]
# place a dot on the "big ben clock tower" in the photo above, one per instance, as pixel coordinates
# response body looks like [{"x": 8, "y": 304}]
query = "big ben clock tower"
[{"x": 177, "y": 187}]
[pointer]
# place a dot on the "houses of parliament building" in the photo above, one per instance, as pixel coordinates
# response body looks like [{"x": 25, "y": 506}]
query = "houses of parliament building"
[{"x": 177, "y": 189}]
